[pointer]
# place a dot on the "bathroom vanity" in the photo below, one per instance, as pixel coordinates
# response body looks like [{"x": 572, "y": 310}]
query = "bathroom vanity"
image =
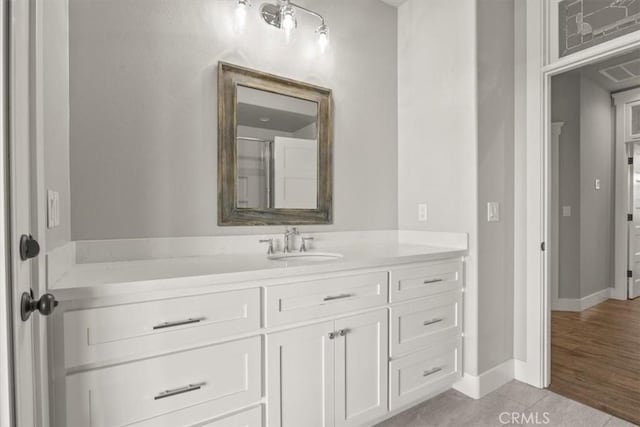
[{"x": 243, "y": 340}]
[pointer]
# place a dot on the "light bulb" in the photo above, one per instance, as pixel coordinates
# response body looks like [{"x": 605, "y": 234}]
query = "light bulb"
[
  {"x": 288, "y": 19},
  {"x": 323, "y": 37},
  {"x": 241, "y": 13}
]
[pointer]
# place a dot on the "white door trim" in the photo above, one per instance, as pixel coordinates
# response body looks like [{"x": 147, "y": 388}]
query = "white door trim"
[
  {"x": 622, "y": 191},
  {"x": 535, "y": 370},
  {"x": 25, "y": 190},
  {"x": 554, "y": 243},
  {"x": 6, "y": 366}
]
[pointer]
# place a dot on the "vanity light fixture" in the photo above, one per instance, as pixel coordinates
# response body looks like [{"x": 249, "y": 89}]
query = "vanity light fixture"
[
  {"x": 282, "y": 15},
  {"x": 241, "y": 13},
  {"x": 288, "y": 21}
]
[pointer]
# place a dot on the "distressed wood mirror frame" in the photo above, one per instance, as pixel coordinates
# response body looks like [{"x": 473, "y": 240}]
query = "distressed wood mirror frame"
[{"x": 229, "y": 78}]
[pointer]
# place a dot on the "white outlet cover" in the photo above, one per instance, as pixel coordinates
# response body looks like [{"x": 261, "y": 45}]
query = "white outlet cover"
[
  {"x": 56, "y": 217},
  {"x": 566, "y": 211},
  {"x": 596, "y": 184},
  {"x": 53, "y": 209},
  {"x": 422, "y": 212},
  {"x": 51, "y": 201},
  {"x": 493, "y": 211}
]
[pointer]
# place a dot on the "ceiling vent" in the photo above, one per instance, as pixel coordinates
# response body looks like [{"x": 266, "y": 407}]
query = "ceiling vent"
[{"x": 622, "y": 72}]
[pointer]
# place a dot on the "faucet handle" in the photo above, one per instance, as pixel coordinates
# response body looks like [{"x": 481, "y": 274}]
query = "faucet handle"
[
  {"x": 303, "y": 245},
  {"x": 270, "y": 248}
]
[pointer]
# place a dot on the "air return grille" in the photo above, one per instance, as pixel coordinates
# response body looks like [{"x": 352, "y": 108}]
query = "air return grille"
[{"x": 623, "y": 72}]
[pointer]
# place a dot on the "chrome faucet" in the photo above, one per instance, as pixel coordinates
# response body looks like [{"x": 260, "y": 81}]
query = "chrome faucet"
[{"x": 287, "y": 236}]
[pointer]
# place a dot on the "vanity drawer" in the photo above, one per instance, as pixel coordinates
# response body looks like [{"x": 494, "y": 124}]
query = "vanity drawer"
[
  {"x": 184, "y": 418},
  {"x": 426, "y": 279},
  {"x": 116, "y": 332},
  {"x": 206, "y": 382},
  {"x": 425, "y": 373},
  {"x": 249, "y": 418},
  {"x": 421, "y": 323},
  {"x": 325, "y": 297}
]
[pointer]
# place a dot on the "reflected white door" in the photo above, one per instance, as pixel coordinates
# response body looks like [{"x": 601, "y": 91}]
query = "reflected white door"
[
  {"x": 634, "y": 225},
  {"x": 295, "y": 173}
]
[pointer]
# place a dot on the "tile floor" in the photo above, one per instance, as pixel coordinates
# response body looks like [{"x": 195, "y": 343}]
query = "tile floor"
[{"x": 453, "y": 409}]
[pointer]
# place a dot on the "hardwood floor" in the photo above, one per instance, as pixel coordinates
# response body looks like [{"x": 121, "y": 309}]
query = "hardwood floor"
[{"x": 595, "y": 357}]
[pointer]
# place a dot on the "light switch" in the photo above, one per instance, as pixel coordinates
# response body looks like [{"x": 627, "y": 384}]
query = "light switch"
[
  {"x": 493, "y": 211},
  {"x": 422, "y": 212},
  {"x": 53, "y": 209},
  {"x": 566, "y": 211},
  {"x": 596, "y": 184}
]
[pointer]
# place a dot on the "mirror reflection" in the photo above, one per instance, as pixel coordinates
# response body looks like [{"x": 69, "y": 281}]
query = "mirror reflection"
[{"x": 277, "y": 151}]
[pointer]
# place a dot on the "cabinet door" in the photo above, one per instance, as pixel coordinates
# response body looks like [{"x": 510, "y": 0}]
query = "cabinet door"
[
  {"x": 301, "y": 377},
  {"x": 361, "y": 368}
]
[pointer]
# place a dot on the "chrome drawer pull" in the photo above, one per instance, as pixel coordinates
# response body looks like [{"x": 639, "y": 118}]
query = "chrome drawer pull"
[
  {"x": 428, "y": 282},
  {"x": 180, "y": 390},
  {"x": 178, "y": 323},
  {"x": 335, "y": 297},
  {"x": 432, "y": 321},
  {"x": 431, "y": 372}
]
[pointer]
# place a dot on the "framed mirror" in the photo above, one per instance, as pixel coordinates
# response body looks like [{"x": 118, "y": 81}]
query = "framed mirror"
[{"x": 274, "y": 149}]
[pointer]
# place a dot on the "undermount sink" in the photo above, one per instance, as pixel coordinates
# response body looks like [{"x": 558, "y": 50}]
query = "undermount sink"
[{"x": 305, "y": 256}]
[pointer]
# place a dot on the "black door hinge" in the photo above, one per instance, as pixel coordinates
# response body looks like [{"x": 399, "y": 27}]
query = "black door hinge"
[
  {"x": 630, "y": 160},
  {"x": 543, "y": 246},
  {"x": 629, "y": 217},
  {"x": 629, "y": 274}
]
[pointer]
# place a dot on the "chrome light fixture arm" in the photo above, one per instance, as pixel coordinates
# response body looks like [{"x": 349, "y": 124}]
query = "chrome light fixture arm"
[
  {"x": 309, "y": 11},
  {"x": 272, "y": 14}
]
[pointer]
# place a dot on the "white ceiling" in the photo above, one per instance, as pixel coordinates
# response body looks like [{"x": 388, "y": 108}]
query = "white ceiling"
[
  {"x": 395, "y": 3},
  {"x": 593, "y": 71}
]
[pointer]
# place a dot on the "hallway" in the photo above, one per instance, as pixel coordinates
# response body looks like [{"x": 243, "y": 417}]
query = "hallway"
[{"x": 595, "y": 357}]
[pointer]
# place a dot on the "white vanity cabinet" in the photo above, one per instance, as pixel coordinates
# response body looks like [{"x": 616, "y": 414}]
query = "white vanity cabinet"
[
  {"x": 336, "y": 349},
  {"x": 329, "y": 374}
]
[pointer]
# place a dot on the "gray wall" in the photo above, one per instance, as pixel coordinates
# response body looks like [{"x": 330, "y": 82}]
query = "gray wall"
[
  {"x": 56, "y": 113},
  {"x": 596, "y": 162},
  {"x": 143, "y": 110},
  {"x": 565, "y": 107},
  {"x": 519, "y": 183},
  {"x": 495, "y": 180},
  {"x": 437, "y": 150},
  {"x": 586, "y": 153}
]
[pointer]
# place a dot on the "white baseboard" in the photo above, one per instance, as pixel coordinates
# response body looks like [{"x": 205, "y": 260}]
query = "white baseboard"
[
  {"x": 619, "y": 294},
  {"x": 478, "y": 386},
  {"x": 580, "y": 304}
]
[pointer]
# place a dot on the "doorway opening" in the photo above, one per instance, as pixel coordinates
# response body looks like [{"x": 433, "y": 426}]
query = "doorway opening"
[{"x": 594, "y": 224}]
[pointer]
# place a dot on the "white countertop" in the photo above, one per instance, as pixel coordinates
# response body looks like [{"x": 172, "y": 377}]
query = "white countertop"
[{"x": 101, "y": 279}]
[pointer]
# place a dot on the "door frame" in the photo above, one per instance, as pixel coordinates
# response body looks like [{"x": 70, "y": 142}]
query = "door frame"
[
  {"x": 622, "y": 201},
  {"x": 22, "y": 101},
  {"x": 6, "y": 349},
  {"x": 541, "y": 66}
]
